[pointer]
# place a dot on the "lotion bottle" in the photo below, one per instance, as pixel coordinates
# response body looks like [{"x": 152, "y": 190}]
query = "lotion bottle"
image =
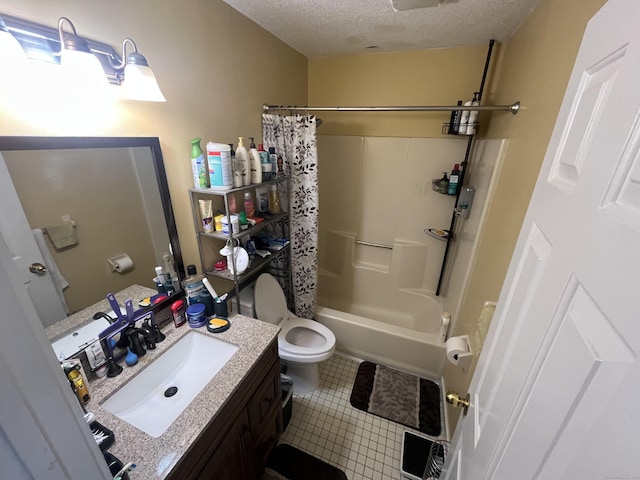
[
  {"x": 473, "y": 115},
  {"x": 464, "y": 119},
  {"x": 242, "y": 157},
  {"x": 256, "y": 164}
]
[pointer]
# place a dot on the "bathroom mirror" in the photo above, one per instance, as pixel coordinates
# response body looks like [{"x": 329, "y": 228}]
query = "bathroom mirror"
[{"x": 113, "y": 189}]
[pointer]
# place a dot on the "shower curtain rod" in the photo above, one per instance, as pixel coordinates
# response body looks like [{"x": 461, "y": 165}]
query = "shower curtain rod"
[{"x": 513, "y": 108}]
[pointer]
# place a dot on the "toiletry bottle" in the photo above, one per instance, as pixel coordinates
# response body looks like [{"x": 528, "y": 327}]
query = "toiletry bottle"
[
  {"x": 242, "y": 156},
  {"x": 256, "y": 164},
  {"x": 274, "y": 199},
  {"x": 219, "y": 161},
  {"x": 79, "y": 387},
  {"x": 273, "y": 160},
  {"x": 443, "y": 186},
  {"x": 199, "y": 165},
  {"x": 464, "y": 119},
  {"x": 265, "y": 164},
  {"x": 248, "y": 205},
  {"x": 178, "y": 310},
  {"x": 454, "y": 178},
  {"x": 473, "y": 115},
  {"x": 231, "y": 201},
  {"x": 236, "y": 168},
  {"x": 192, "y": 285},
  {"x": 454, "y": 122}
]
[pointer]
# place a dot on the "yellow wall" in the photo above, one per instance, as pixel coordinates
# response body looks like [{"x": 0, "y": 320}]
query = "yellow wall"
[
  {"x": 215, "y": 67},
  {"x": 535, "y": 69},
  {"x": 425, "y": 77}
]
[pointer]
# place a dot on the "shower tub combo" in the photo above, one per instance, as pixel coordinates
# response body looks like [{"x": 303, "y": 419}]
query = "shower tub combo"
[{"x": 409, "y": 345}]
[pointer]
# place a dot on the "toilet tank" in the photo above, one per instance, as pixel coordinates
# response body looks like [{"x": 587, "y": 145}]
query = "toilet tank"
[{"x": 246, "y": 300}]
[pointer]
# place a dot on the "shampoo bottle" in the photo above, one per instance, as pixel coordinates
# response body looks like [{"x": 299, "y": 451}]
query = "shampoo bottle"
[
  {"x": 273, "y": 160},
  {"x": 236, "y": 168},
  {"x": 454, "y": 122},
  {"x": 473, "y": 115},
  {"x": 199, "y": 165},
  {"x": 464, "y": 119},
  {"x": 265, "y": 164},
  {"x": 256, "y": 163},
  {"x": 192, "y": 285},
  {"x": 454, "y": 178},
  {"x": 242, "y": 157}
]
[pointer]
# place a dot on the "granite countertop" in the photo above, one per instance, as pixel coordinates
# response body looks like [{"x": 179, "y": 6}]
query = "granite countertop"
[{"x": 155, "y": 457}]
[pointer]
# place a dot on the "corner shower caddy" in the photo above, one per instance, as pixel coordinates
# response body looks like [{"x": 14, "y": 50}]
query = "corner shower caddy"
[{"x": 514, "y": 108}]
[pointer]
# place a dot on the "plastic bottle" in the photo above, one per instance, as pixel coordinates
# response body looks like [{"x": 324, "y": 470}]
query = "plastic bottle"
[
  {"x": 192, "y": 285},
  {"x": 219, "y": 160},
  {"x": 454, "y": 122},
  {"x": 473, "y": 115},
  {"x": 236, "y": 168},
  {"x": 443, "y": 185},
  {"x": 249, "y": 207},
  {"x": 256, "y": 164},
  {"x": 454, "y": 178},
  {"x": 273, "y": 160},
  {"x": 464, "y": 119},
  {"x": 198, "y": 165},
  {"x": 274, "y": 199},
  {"x": 242, "y": 156},
  {"x": 265, "y": 164}
]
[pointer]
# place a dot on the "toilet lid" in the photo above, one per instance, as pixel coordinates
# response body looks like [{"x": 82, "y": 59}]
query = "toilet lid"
[
  {"x": 270, "y": 303},
  {"x": 329, "y": 339}
]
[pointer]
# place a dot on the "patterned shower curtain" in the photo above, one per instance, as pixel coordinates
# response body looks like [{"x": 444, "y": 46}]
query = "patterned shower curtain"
[{"x": 295, "y": 138}]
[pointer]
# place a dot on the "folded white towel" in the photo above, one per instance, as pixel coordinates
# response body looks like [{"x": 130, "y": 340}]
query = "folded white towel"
[
  {"x": 59, "y": 282},
  {"x": 62, "y": 235}
]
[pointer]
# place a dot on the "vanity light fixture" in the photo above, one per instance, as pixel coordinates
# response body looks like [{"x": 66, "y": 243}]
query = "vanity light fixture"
[
  {"x": 77, "y": 60},
  {"x": 10, "y": 48},
  {"x": 139, "y": 81},
  {"x": 94, "y": 63}
]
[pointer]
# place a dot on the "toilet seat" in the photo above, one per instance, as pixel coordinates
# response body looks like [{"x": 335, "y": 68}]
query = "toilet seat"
[{"x": 327, "y": 336}]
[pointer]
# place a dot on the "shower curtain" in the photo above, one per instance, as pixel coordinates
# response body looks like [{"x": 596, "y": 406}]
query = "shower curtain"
[{"x": 295, "y": 138}]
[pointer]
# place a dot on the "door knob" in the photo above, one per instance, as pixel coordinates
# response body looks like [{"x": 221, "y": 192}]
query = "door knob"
[
  {"x": 455, "y": 400},
  {"x": 37, "y": 268}
]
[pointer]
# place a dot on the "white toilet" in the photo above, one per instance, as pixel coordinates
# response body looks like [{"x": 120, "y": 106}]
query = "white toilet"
[{"x": 302, "y": 343}]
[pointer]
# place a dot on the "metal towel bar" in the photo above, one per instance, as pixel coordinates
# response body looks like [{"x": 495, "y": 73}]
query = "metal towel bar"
[{"x": 377, "y": 245}]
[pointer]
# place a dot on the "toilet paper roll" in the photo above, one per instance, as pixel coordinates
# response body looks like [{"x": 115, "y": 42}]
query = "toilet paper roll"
[
  {"x": 456, "y": 348},
  {"x": 121, "y": 263}
]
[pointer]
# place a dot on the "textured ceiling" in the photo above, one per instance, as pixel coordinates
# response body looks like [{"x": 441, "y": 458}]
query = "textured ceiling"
[{"x": 343, "y": 27}]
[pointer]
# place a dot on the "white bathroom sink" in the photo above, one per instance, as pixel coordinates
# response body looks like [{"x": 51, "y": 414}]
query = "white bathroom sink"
[{"x": 146, "y": 402}]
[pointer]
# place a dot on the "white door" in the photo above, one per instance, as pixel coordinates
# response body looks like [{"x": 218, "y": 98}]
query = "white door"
[
  {"x": 556, "y": 386},
  {"x": 15, "y": 228}
]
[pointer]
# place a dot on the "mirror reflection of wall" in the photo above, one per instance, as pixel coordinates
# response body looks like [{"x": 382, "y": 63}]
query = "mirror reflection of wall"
[{"x": 113, "y": 197}]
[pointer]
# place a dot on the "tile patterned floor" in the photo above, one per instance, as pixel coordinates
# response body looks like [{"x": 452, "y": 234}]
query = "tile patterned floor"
[{"x": 324, "y": 424}]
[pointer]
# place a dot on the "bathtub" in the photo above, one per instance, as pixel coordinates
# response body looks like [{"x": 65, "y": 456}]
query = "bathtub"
[{"x": 396, "y": 346}]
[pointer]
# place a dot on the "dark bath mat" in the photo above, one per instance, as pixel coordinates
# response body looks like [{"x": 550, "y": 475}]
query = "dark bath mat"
[
  {"x": 289, "y": 463},
  {"x": 397, "y": 396}
]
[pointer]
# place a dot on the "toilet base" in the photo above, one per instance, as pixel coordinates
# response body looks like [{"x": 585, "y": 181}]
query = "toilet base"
[{"x": 305, "y": 376}]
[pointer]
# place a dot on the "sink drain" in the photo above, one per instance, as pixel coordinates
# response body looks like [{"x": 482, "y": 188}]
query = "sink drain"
[{"x": 170, "y": 392}]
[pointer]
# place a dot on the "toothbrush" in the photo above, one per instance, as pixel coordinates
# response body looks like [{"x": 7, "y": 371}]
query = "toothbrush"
[
  {"x": 213, "y": 293},
  {"x": 127, "y": 468}
]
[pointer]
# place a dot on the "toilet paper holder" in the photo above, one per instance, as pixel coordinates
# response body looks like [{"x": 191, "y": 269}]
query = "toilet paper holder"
[{"x": 459, "y": 352}]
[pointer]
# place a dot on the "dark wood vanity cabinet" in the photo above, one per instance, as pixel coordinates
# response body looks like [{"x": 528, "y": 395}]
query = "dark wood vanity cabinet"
[{"x": 237, "y": 441}]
